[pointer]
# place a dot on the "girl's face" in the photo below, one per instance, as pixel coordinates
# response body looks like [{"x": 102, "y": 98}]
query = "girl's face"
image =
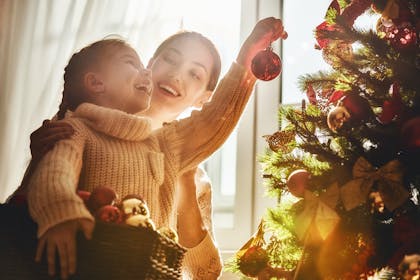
[
  {"x": 181, "y": 74},
  {"x": 127, "y": 84}
]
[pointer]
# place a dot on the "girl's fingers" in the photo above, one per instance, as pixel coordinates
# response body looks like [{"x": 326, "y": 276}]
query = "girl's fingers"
[
  {"x": 64, "y": 261},
  {"x": 40, "y": 249},
  {"x": 51, "y": 257},
  {"x": 71, "y": 255}
]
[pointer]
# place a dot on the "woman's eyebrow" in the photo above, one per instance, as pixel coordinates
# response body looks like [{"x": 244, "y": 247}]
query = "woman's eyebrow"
[{"x": 195, "y": 62}]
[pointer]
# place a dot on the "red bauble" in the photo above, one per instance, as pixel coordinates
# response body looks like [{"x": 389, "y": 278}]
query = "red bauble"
[
  {"x": 109, "y": 214},
  {"x": 253, "y": 261},
  {"x": 101, "y": 196},
  {"x": 410, "y": 134},
  {"x": 358, "y": 107},
  {"x": 266, "y": 65},
  {"x": 298, "y": 182}
]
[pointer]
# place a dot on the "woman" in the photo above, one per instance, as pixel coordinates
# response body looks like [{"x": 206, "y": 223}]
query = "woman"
[{"x": 185, "y": 70}]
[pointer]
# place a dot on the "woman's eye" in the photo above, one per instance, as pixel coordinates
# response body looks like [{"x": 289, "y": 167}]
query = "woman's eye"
[
  {"x": 195, "y": 75},
  {"x": 169, "y": 60}
]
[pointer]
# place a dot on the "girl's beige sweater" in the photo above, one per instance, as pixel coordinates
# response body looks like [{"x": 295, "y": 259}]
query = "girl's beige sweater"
[{"x": 119, "y": 150}]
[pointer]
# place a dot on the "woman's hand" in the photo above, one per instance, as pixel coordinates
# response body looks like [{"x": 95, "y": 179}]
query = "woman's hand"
[
  {"x": 264, "y": 33},
  {"x": 191, "y": 230},
  {"x": 62, "y": 238},
  {"x": 45, "y": 137}
]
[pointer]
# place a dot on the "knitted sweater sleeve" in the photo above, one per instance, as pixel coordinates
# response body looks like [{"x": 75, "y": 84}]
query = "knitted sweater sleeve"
[
  {"x": 190, "y": 141},
  {"x": 203, "y": 261},
  {"x": 52, "y": 188}
]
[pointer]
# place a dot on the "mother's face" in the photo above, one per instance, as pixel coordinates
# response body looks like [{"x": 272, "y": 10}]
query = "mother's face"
[{"x": 181, "y": 74}]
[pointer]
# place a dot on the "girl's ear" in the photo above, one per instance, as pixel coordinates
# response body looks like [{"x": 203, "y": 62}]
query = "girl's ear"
[
  {"x": 94, "y": 83},
  {"x": 204, "y": 97}
]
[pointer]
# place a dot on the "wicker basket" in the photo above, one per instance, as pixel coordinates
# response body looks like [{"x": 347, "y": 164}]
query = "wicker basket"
[{"x": 115, "y": 251}]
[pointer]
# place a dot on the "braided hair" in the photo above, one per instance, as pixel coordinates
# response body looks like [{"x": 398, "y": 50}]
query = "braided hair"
[{"x": 79, "y": 64}]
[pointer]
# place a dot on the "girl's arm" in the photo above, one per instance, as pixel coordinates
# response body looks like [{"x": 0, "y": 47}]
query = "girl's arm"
[{"x": 54, "y": 204}]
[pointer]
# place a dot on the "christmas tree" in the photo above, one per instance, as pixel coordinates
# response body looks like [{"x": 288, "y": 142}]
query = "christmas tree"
[{"x": 345, "y": 168}]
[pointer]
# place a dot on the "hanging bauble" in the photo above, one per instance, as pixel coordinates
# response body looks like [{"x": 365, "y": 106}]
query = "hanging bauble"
[
  {"x": 402, "y": 37},
  {"x": 336, "y": 117},
  {"x": 298, "y": 182},
  {"x": 336, "y": 51},
  {"x": 253, "y": 261},
  {"x": 320, "y": 34},
  {"x": 410, "y": 133},
  {"x": 350, "y": 108},
  {"x": 266, "y": 65},
  {"x": 392, "y": 108}
]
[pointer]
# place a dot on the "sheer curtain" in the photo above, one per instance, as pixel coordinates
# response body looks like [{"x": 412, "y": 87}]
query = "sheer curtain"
[{"x": 37, "y": 38}]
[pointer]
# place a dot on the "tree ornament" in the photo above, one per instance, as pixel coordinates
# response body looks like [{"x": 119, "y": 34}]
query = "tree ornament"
[
  {"x": 132, "y": 205},
  {"x": 410, "y": 134},
  {"x": 350, "y": 108},
  {"x": 388, "y": 178},
  {"x": 336, "y": 51},
  {"x": 101, "y": 196},
  {"x": 403, "y": 37},
  {"x": 298, "y": 182},
  {"x": 392, "y": 108},
  {"x": 253, "y": 261},
  {"x": 109, "y": 214},
  {"x": 279, "y": 140},
  {"x": 266, "y": 65},
  {"x": 311, "y": 94}
]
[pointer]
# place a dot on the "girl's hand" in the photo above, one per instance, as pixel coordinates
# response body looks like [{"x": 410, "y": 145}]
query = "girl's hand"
[
  {"x": 45, "y": 137},
  {"x": 62, "y": 238},
  {"x": 264, "y": 33}
]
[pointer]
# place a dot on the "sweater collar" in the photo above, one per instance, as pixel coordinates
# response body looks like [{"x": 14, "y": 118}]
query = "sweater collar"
[{"x": 114, "y": 122}]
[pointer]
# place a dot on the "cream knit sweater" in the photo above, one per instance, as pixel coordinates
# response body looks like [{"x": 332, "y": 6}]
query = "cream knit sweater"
[{"x": 112, "y": 148}]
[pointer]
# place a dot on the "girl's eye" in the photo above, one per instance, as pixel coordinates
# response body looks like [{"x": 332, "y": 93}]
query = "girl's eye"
[{"x": 131, "y": 62}]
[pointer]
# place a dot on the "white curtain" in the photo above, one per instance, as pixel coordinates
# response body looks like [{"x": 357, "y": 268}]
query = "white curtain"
[{"x": 37, "y": 38}]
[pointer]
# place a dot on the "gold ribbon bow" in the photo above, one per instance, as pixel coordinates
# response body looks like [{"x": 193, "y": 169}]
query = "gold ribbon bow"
[
  {"x": 389, "y": 179},
  {"x": 318, "y": 218}
]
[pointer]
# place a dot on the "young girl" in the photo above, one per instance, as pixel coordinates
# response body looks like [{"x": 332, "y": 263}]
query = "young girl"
[
  {"x": 173, "y": 142},
  {"x": 180, "y": 54}
]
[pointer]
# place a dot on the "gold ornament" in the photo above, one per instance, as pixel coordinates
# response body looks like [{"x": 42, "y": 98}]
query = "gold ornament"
[
  {"x": 389, "y": 179},
  {"x": 279, "y": 140}
]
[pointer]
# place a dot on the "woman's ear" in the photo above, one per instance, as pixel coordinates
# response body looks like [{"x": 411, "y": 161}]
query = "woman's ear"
[
  {"x": 204, "y": 97},
  {"x": 93, "y": 82}
]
